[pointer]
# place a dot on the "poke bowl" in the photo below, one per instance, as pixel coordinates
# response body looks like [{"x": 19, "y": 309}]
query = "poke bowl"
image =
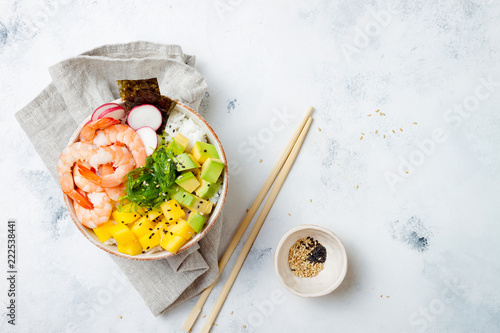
[{"x": 155, "y": 252}]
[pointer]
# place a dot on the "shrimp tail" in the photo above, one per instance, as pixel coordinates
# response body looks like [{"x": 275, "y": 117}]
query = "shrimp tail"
[
  {"x": 88, "y": 174},
  {"x": 80, "y": 199},
  {"x": 105, "y": 122}
]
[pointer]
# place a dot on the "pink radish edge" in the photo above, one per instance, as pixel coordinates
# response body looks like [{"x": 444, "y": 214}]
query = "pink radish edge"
[
  {"x": 97, "y": 112},
  {"x": 149, "y": 117},
  {"x": 117, "y": 113},
  {"x": 144, "y": 133}
]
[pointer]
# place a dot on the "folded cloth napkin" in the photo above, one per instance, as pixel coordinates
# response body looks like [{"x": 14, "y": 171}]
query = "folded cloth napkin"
[{"x": 82, "y": 83}]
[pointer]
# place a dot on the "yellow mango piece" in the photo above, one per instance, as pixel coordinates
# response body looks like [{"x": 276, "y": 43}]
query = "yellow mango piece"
[
  {"x": 181, "y": 228},
  {"x": 103, "y": 232},
  {"x": 133, "y": 248},
  {"x": 172, "y": 211},
  {"x": 122, "y": 234},
  {"x": 127, "y": 214},
  {"x": 150, "y": 240},
  {"x": 172, "y": 243},
  {"x": 153, "y": 214},
  {"x": 142, "y": 227}
]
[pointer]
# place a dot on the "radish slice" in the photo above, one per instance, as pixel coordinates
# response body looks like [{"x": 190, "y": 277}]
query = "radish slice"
[
  {"x": 149, "y": 138},
  {"x": 144, "y": 115},
  {"x": 117, "y": 113},
  {"x": 101, "y": 109}
]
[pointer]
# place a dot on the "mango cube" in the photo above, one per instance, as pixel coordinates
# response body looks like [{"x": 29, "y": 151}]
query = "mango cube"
[
  {"x": 172, "y": 243},
  {"x": 142, "y": 227},
  {"x": 103, "y": 232},
  {"x": 172, "y": 211},
  {"x": 126, "y": 214},
  {"x": 122, "y": 234},
  {"x": 133, "y": 248},
  {"x": 150, "y": 240},
  {"x": 153, "y": 214},
  {"x": 181, "y": 228}
]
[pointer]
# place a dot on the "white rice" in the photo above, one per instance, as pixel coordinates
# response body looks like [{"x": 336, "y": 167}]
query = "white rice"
[
  {"x": 216, "y": 196},
  {"x": 178, "y": 122},
  {"x": 110, "y": 241}
]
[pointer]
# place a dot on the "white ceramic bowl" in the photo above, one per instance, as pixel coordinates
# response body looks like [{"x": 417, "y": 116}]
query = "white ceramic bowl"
[
  {"x": 213, "y": 139},
  {"x": 328, "y": 279}
]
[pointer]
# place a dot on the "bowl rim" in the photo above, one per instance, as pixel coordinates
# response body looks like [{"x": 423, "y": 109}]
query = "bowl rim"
[
  {"x": 324, "y": 230},
  {"x": 163, "y": 254}
]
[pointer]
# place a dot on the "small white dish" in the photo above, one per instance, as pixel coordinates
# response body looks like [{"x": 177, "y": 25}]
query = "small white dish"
[{"x": 328, "y": 279}]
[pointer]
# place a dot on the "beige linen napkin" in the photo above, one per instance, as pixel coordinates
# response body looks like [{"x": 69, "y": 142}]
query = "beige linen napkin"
[{"x": 82, "y": 83}]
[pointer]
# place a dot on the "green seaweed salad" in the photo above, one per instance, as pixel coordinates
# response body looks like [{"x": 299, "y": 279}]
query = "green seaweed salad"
[{"x": 148, "y": 186}]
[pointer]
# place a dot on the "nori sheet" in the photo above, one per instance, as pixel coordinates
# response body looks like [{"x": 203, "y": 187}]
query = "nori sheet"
[{"x": 145, "y": 91}]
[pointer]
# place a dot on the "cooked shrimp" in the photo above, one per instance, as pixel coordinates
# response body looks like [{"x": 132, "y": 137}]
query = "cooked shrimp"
[
  {"x": 78, "y": 151},
  {"x": 125, "y": 135},
  {"x": 118, "y": 156},
  {"x": 89, "y": 131},
  {"x": 99, "y": 214},
  {"x": 82, "y": 182},
  {"x": 115, "y": 193}
]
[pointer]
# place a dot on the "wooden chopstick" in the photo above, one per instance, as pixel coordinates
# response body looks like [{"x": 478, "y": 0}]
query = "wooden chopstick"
[
  {"x": 195, "y": 312},
  {"x": 256, "y": 228}
]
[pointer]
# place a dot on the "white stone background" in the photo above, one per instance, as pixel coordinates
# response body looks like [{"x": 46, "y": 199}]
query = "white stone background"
[{"x": 415, "y": 62}]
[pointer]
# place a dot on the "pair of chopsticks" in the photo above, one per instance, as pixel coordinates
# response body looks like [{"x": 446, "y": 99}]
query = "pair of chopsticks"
[{"x": 278, "y": 173}]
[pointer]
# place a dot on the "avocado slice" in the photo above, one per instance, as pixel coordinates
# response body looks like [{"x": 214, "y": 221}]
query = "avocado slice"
[
  {"x": 186, "y": 162},
  {"x": 196, "y": 221},
  {"x": 206, "y": 190},
  {"x": 178, "y": 144},
  {"x": 190, "y": 201},
  {"x": 182, "y": 196},
  {"x": 188, "y": 181},
  {"x": 201, "y": 151},
  {"x": 211, "y": 170}
]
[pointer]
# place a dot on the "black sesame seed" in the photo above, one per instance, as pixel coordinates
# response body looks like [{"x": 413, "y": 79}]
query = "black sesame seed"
[
  {"x": 205, "y": 151},
  {"x": 147, "y": 248},
  {"x": 171, "y": 233},
  {"x": 317, "y": 255},
  {"x": 170, "y": 219},
  {"x": 151, "y": 229}
]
